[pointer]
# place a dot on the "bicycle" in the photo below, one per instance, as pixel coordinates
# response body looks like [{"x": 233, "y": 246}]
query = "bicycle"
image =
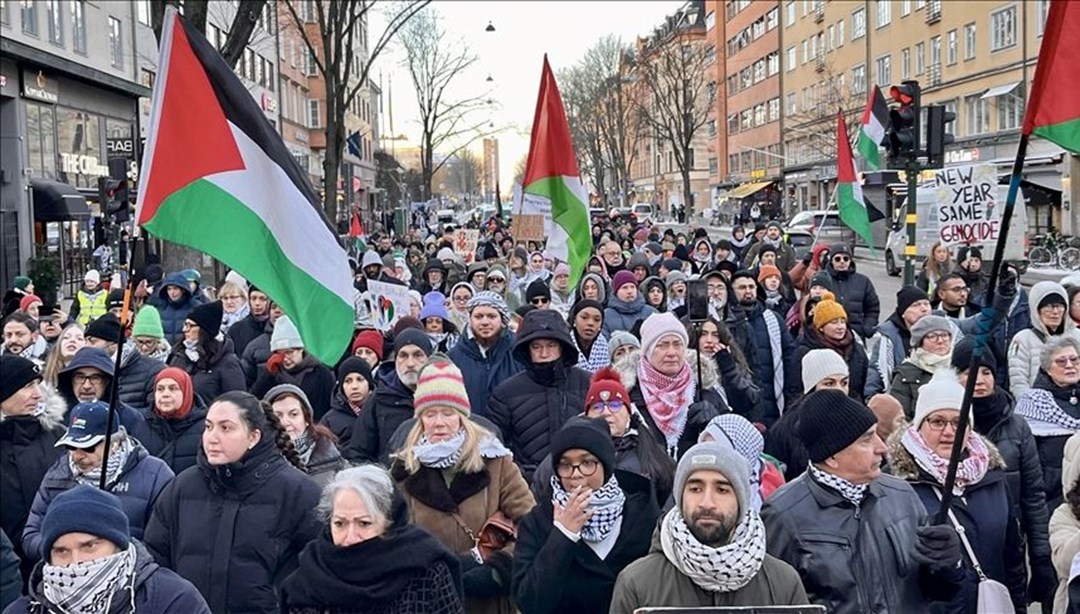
[{"x": 1054, "y": 250}]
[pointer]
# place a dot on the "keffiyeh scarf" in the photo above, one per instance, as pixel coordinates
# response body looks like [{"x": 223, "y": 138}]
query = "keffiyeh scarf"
[
  {"x": 605, "y": 503},
  {"x": 724, "y": 569},
  {"x": 848, "y": 490},
  {"x": 445, "y": 454},
  {"x": 970, "y": 470},
  {"x": 88, "y": 587},
  {"x": 599, "y": 356},
  {"x": 305, "y": 445},
  {"x": 1044, "y": 415},
  {"x": 667, "y": 399},
  {"x": 118, "y": 456}
]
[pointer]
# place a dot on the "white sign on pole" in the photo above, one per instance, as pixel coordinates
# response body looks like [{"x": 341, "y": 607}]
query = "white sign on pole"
[{"x": 387, "y": 303}]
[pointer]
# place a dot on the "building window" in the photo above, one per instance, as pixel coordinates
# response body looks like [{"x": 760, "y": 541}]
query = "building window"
[
  {"x": 884, "y": 70},
  {"x": 78, "y": 25},
  {"x": 774, "y": 110},
  {"x": 905, "y": 63},
  {"x": 56, "y": 25},
  {"x": 142, "y": 11},
  {"x": 951, "y": 47},
  {"x": 791, "y": 58},
  {"x": 1010, "y": 111},
  {"x": 858, "y": 24},
  {"x": 792, "y": 104},
  {"x": 978, "y": 120},
  {"x": 116, "y": 43},
  {"x": 935, "y": 52},
  {"x": 969, "y": 41},
  {"x": 1003, "y": 29},
  {"x": 884, "y": 13},
  {"x": 29, "y": 17},
  {"x": 840, "y": 33},
  {"x": 789, "y": 13},
  {"x": 1044, "y": 12},
  {"x": 146, "y": 78},
  {"x": 773, "y": 63},
  {"x": 905, "y": 8},
  {"x": 313, "y": 114},
  {"x": 920, "y": 58},
  {"x": 805, "y": 52},
  {"x": 772, "y": 19},
  {"x": 858, "y": 79},
  {"x": 5, "y": 12},
  {"x": 746, "y": 120}
]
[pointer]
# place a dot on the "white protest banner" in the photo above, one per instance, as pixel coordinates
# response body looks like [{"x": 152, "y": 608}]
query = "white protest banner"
[
  {"x": 388, "y": 303},
  {"x": 524, "y": 208},
  {"x": 465, "y": 241}
]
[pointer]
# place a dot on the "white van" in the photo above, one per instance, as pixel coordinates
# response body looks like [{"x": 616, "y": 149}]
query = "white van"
[{"x": 644, "y": 212}]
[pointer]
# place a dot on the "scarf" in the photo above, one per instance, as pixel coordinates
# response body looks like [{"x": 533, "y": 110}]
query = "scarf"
[
  {"x": 599, "y": 355},
  {"x": 1044, "y": 415},
  {"x": 667, "y": 400},
  {"x": 355, "y": 407},
  {"x": 606, "y": 505},
  {"x": 928, "y": 361},
  {"x": 772, "y": 324},
  {"x": 88, "y": 587},
  {"x": 840, "y": 346},
  {"x": 232, "y": 318},
  {"x": 721, "y": 570},
  {"x": 970, "y": 470},
  {"x": 191, "y": 350},
  {"x": 122, "y": 447},
  {"x": 446, "y": 454},
  {"x": 305, "y": 445},
  {"x": 848, "y": 490},
  {"x": 773, "y": 298}
]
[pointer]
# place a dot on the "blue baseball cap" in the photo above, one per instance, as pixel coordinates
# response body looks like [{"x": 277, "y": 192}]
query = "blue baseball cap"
[{"x": 89, "y": 422}]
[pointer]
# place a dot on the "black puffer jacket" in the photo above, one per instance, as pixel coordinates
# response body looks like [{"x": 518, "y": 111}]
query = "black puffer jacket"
[
  {"x": 385, "y": 409},
  {"x": 854, "y": 355},
  {"x": 234, "y": 531},
  {"x": 245, "y": 331},
  {"x": 311, "y": 376},
  {"x": 340, "y": 419},
  {"x": 212, "y": 375},
  {"x": 135, "y": 380},
  {"x": 856, "y": 293},
  {"x": 178, "y": 441},
  {"x": 531, "y": 406}
]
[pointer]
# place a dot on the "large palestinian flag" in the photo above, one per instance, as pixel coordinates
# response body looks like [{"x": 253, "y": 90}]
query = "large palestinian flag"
[
  {"x": 1053, "y": 111},
  {"x": 218, "y": 178}
]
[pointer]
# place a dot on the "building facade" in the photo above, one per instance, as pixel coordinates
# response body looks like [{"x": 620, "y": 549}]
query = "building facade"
[{"x": 491, "y": 169}]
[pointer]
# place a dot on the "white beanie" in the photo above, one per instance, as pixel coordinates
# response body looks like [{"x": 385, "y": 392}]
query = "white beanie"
[
  {"x": 285, "y": 336},
  {"x": 819, "y": 364},
  {"x": 943, "y": 391},
  {"x": 660, "y": 325},
  {"x": 93, "y": 275}
]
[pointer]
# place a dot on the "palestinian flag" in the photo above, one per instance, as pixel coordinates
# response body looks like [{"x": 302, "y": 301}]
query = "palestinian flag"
[
  {"x": 874, "y": 120},
  {"x": 218, "y": 178},
  {"x": 1054, "y": 109},
  {"x": 551, "y": 172},
  {"x": 849, "y": 194}
]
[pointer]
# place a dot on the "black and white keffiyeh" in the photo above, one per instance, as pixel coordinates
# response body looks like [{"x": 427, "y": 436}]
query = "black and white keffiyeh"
[
  {"x": 88, "y": 587},
  {"x": 1044, "y": 415},
  {"x": 305, "y": 445},
  {"x": 606, "y": 504},
  {"x": 724, "y": 569},
  {"x": 848, "y": 490},
  {"x": 122, "y": 447},
  {"x": 445, "y": 454}
]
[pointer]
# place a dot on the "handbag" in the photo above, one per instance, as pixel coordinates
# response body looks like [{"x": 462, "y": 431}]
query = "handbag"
[
  {"x": 993, "y": 596},
  {"x": 497, "y": 533}
]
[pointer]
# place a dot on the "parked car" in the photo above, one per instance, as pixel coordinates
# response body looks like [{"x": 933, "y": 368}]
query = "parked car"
[
  {"x": 801, "y": 241},
  {"x": 644, "y": 212},
  {"x": 824, "y": 226}
]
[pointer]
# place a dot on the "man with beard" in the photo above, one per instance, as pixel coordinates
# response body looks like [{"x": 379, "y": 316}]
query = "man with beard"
[
  {"x": 613, "y": 259},
  {"x": 135, "y": 379},
  {"x": 254, "y": 324},
  {"x": 710, "y": 547},
  {"x": 785, "y": 254},
  {"x": 485, "y": 352},
  {"x": 770, "y": 350},
  {"x": 953, "y": 296},
  {"x": 392, "y": 402},
  {"x": 21, "y": 338},
  {"x": 858, "y": 538}
]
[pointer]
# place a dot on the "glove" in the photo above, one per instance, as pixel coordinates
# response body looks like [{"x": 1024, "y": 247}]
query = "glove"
[
  {"x": 806, "y": 258},
  {"x": 937, "y": 547},
  {"x": 1007, "y": 282},
  {"x": 702, "y": 406},
  {"x": 1044, "y": 583},
  {"x": 275, "y": 362},
  {"x": 480, "y": 580},
  {"x": 503, "y": 565}
]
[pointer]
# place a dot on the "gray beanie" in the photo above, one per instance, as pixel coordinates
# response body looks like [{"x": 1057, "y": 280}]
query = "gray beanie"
[
  {"x": 927, "y": 325},
  {"x": 674, "y": 277},
  {"x": 715, "y": 456},
  {"x": 283, "y": 389},
  {"x": 620, "y": 338},
  {"x": 285, "y": 336}
]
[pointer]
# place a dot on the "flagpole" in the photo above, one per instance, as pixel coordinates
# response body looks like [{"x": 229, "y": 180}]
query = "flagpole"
[{"x": 985, "y": 326}]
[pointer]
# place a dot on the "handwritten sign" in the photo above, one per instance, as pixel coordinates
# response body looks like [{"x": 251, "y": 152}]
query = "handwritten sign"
[
  {"x": 962, "y": 205},
  {"x": 465, "y": 241},
  {"x": 527, "y": 227},
  {"x": 387, "y": 303}
]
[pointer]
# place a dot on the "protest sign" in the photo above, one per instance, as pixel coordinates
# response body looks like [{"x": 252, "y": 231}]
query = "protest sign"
[
  {"x": 530, "y": 216},
  {"x": 387, "y": 303},
  {"x": 527, "y": 227},
  {"x": 465, "y": 241}
]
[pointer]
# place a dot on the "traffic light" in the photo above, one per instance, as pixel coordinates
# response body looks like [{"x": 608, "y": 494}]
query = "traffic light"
[
  {"x": 114, "y": 199},
  {"x": 937, "y": 134},
  {"x": 903, "y": 132}
]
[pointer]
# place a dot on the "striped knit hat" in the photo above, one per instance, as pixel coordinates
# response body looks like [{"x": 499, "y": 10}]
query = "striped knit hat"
[{"x": 441, "y": 385}]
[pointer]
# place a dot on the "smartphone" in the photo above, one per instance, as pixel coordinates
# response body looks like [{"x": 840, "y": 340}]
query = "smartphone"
[{"x": 697, "y": 300}]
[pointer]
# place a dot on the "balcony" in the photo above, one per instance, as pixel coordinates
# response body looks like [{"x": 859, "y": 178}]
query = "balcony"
[
  {"x": 933, "y": 11},
  {"x": 933, "y": 75},
  {"x": 819, "y": 12},
  {"x": 819, "y": 63}
]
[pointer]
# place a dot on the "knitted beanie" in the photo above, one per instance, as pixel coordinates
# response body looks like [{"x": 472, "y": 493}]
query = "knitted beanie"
[
  {"x": 106, "y": 328},
  {"x": 405, "y": 322},
  {"x": 84, "y": 509},
  {"x": 441, "y": 385},
  {"x": 908, "y": 296},
  {"x": 827, "y": 311},
  {"x": 582, "y": 305},
  {"x": 285, "y": 336},
  {"x": 148, "y": 323},
  {"x": 766, "y": 271},
  {"x": 714, "y": 456},
  {"x": 926, "y": 325},
  {"x": 823, "y": 279},
  {"x": 673, "y": 278},
  {"x": 606, "y": 386},
  {"x": 964, "y": 353},
  {"x": 830, "y": 421},
  {"x": 494, "y": 300},
  {"x": 621, "y": 279},
  {"x": 943, "y": 391},
  {"x": 434, "y": 306},
  {"x": 659, "y": 325},
  {"x": 370, "y": 339},
  {"x": 620, "y": 338},
  {"x": 115, "y": 299},
  {"x": 537, "y": 289},
  {"x": 21, "y": 282},
  {"x": 18, "y": 372},
  {"x": 208, "y": 316},
  {"x": 27, "y": 301},
  {"x": 412, "y": 336},
  {"x": 283, "y": 389},
  {"x": 351, "y": 365},
  {"x": 819, "y": 364},
  {"x": 581, "y": 433}
]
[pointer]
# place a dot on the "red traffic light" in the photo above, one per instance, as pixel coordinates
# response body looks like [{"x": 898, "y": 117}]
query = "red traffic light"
[{"x": 904, "y": 94}]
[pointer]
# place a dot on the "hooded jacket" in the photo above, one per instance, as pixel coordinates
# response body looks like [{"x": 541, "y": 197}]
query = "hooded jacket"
[
  {"x": 424, "y": 286},
  {"x": 315, "y": 379},
  {"x": 600, "y": 283},
  {"x": 130, "y": 419},
  {"x": 484, "y": 370},
  {"x": 1065, "y": 527},
  {"x": 856, "y": 293},
  {"x": 640, "y": 259},
  {"x": 390, "y": 404},
  {"x": 530, "y": 407},
  {"x": 173, "y": 313},
  {"x": 136, "y": 377},
  {"x": 212, "y": 375},
  {"x": 1027, "y": 344}
]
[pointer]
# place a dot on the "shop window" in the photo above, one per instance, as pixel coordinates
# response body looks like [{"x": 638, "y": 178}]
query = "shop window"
[
  {"x": 41, "y": 139},
  {"x": 79, "y": 134}
]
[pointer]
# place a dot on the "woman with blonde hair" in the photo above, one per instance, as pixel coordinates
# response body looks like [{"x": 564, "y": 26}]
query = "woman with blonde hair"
[
  {"x": 234, "y": 303},
  {"x": 935, "y": 268},
  {"x": 456, "y": 476},
  {"x": 71, "y": 340}
]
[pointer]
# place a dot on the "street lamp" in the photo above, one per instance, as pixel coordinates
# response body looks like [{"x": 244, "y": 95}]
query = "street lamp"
[
  {"x": 490, "y": 78},
  {"x": 489, "y": 28}
]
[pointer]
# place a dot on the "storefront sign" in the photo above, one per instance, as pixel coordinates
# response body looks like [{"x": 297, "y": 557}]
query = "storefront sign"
[
  {"x": 83, "y": 165},
  {"x": 39, "y": 87},
  {"x": 120, "y": 147},
  {"x": 757, "y": 173},
  {"x": 269, "y": 103},
  {"x": 962, "y": 156}
]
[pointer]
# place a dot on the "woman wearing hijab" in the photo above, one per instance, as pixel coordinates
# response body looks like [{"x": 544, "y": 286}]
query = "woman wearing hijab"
[{"x": 176, "y": 418}]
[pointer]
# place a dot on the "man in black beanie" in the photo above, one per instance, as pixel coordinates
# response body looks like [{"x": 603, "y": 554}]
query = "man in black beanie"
[
  {"x": 857, "y": 537},
  {"x": 891, "y": 343}
]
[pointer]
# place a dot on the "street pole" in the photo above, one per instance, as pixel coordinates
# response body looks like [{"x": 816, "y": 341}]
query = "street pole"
[{"x": 913, "y": 170}]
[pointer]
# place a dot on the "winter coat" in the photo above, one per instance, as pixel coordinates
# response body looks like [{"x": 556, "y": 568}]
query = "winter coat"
[
  {"x": 855, "y": 357},
  {"x": 130, "y": 419},
  {"x": 699, "y": 413},
  {"x": 988, "y": 520},
  {"x": 1017, "y": 318},
  {"x": 27, "y": 450},
  {"x": 653, "y": 581},
  {"x": 1052, "y": 446},
  {"x": 854, "y": 560},
  {"x": 178, "y": 441},
  {"x": 759, "y": 353},
  {"x": 157, "y": 589},
  {"x": 742, "y": 394},
  {"x": 255, "y": 355},
  {"x": 245, "y": 331},
  {"x": 384, "y": 410},
  {"x": 856, "y": 293},
  {"x": 212, "y": 375},
  {"x": 1027, "y": 344},
  {"x": 485, "y": 371},
  {"x": 783, "y": 443},
  {"x": 340, "y": 419},
  {"x": 621, "y": 315},
  {"x": 1065, "y": 528},
  {"x": 600, "y": 283},
  {"x": 785, "y": 256},
  {"x": 324, "y": 463},
  {"x": 311, "y": 376},
  {"x": 135, "y": 380},
  {"x": 907, "y": 379},
  {"x": 473, "y": 497},
  {"x": 234, "y": 531},
  {"x": 173, "y": 313},
  {"x": 887, "y": 348},
  {"x": 10, "y": 576},
  {"x": 138, "y": 486},
  {"x": 554, "y": 574}
]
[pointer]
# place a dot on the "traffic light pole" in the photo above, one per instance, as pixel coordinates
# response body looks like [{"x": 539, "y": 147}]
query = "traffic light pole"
[{"x": 913, "y": 170}]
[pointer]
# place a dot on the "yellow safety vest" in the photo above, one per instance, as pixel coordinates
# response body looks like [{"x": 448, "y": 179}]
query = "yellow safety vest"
[{"x": 91, "y": 308}]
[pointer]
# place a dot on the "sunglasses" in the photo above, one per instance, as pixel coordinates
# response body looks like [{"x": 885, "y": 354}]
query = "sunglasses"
[
  {"x": 540, "y": 301},
  {"x": 841, "y": 259}
]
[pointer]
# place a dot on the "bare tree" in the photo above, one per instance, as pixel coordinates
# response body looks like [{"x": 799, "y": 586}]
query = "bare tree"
[
  {"x": 335, "y": 34},
  {"x": 435, "y": 61},
  {"x": 674, "y": 99},
  {"x": 241, "y": 28},
  {"x": 814, "y": 125},
  {"x": 581, "y": 94},
  {"x": 519, "y": 169},
  {"x": 466, "y": 170}
]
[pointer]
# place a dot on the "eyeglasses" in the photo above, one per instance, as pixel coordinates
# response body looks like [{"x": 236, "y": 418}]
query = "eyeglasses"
[
  {"x": 841, "y": 259},
  {"x": 94, "y": 379},
  {"x": 540, "y": 301},
  {"x": 189, "y": 325},
  {"x": 937, "y": 336},
  {"x": 1053, "y": 307},
  {"x": 939, "y": 424},
  {"x": 1064, "y": 361},
  {"x": 146, "y": 343},
  {"x": 585, "y": 468},
  {"x": 611, "y": 407}
]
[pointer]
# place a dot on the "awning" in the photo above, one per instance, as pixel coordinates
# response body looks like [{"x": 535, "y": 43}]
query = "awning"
[
  {"x": 55, "y": 201},
  {"x": 1036, "y": 194},
  {"x": 747, "y": 189},
  {"x": 999, "y": 90}
]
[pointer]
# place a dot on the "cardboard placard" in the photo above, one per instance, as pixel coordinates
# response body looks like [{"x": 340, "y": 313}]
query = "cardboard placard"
[
  {"x": 465, "y": 241},
  {"x": 527, "y": 227}
]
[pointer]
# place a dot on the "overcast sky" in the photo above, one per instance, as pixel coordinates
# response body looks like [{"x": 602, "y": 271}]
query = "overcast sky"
[{"x": 513, "y": 56}]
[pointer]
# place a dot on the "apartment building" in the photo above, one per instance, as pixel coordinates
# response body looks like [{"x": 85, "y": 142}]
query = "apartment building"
[{"x": 491, "y": 169}]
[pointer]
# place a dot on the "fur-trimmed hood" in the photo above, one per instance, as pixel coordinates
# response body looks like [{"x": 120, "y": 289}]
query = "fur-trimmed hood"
[
  {"x": 902, "y": 464},
  {"x": 54, "y": 408},
  {"x": 627, "y": 368}
]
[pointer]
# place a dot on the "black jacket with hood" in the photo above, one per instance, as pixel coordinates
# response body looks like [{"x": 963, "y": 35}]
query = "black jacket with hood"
[
  {"x": 131, "y": 419},
  {"x": 385, "y": 409},
  {"x": 213, "y": 374},
  {"x": 856, "y": 293}
]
